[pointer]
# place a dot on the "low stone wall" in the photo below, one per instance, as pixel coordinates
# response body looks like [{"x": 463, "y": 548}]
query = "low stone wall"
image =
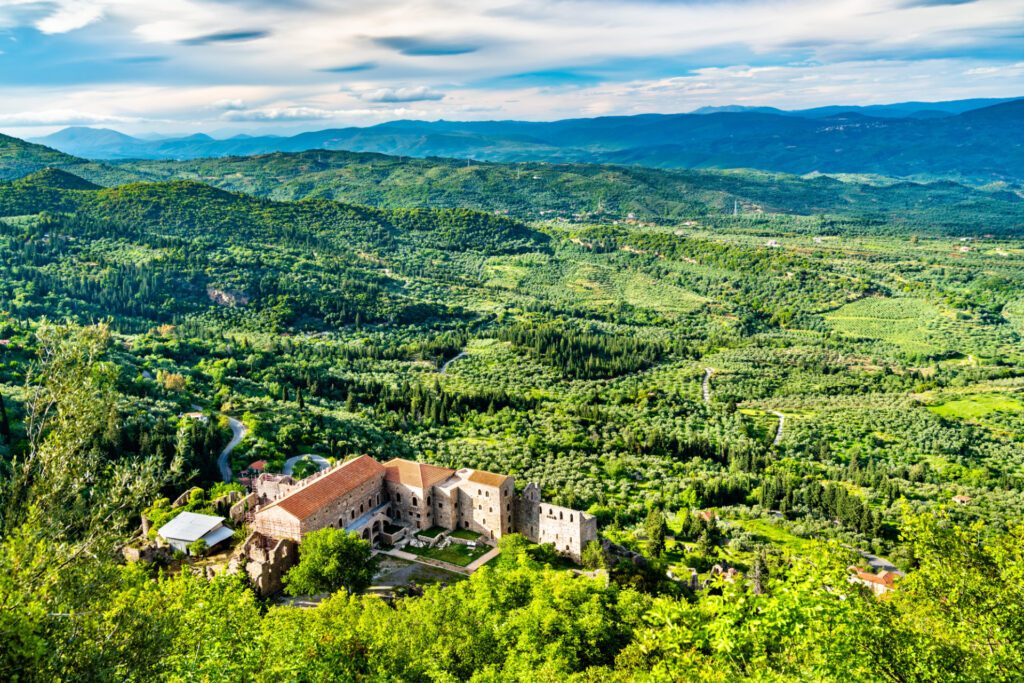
[
  {"x": 483, "y": 540},
  {"x": 238, "y": 511},
  {"x": 183, "y": 498},
  {"x": 223, "y": 504},
  {"x": 150, "y": 552}
]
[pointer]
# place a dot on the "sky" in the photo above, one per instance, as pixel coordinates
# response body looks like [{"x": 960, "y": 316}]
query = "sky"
[{"x": 224, "y": 67}]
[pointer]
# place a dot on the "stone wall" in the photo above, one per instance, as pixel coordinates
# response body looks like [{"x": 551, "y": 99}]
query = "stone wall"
[
  {"x": 567, "y": 529},
  {"x": 240, "y": 508},
  {"x": 339, "y": 513},
  {"x": 184, "y": 497},
  {"x": 149, "y": 552},
  {"x": 343, "y": 511},
  {"x": 445, "y": 507},
  {"x": 277, "y": 523},
  {"x": 222, "y": 506},
  {"x": 266, "y": 561},
  {"x": 488, "y": 510},
  {"x": 271, "y": 487},
  {"x": 409, "y": 505}
]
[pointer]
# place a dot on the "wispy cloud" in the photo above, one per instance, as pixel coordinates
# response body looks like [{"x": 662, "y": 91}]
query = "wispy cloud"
[
  {"x": 225, "y": 37},
  {"x": 284, "y": 60},
  {"x": 417, "y": 94},
  {"x": 350, "y": 68},
  {"x": 416, "y": 46},
  {"x": 62, "y": 117}
]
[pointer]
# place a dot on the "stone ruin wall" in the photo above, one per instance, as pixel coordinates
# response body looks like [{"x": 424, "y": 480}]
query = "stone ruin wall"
[
  {"x": 266, "y": 561},
  {"x": 566, "y": 529}
]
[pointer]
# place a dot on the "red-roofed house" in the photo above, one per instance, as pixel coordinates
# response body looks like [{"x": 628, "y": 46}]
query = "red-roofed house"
[{"x": 880, "y": 583}]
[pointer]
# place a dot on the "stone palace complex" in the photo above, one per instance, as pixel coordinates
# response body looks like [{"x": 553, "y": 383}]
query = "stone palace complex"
[{"x": 385, "y": 503}]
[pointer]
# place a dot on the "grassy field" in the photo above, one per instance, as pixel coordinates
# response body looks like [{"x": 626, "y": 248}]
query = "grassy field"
[
  {"x": 777, "y": 536},
  {"x": 465, "y": 534},
  {"x": 979, "y": 405}
]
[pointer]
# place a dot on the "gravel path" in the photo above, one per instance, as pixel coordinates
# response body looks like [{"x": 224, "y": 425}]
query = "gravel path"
[
  {"x": 706, "y": 384},
  {"x": 782, "y": 423},
  {"x": 444, "y": 368}
]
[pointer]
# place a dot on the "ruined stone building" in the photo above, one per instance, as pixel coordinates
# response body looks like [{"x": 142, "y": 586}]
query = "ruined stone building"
[{"x": 385, "y": 502}]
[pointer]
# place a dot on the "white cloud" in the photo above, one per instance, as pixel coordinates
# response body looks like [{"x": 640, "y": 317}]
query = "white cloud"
[
  {"x": 292, "y": 114},
  {"x": 61, "y": 117},
  {"x": 70, "y": 15},
  {"x": 229, "y": 104},
  {"x": 636, "y": 55},
  {"x": 417, "y": 94}
]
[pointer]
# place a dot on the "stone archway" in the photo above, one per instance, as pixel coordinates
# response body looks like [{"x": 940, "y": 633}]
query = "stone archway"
[{"x": 377, "y": 530}]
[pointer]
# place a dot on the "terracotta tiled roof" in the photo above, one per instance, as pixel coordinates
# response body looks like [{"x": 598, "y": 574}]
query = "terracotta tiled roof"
[
  {"x": 416, "y": 474},
  {"x": 328, "y": 487},
  {"x": 488, "y": 478},
  {"x": 883, "y": 579},
  {"x": 259, "y": 465}
]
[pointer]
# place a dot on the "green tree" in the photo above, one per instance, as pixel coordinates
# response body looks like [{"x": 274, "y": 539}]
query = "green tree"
[
  {"x": 197, "y": 548},
  {"x": 655, "y": 530},
  {"x": 66, "y": 505},
  {"x": 705, "y": 546},
  {"x": 330, "y": 559},
  {"x": 5, "y": 425},
  {"x": 593, "y": 556}
]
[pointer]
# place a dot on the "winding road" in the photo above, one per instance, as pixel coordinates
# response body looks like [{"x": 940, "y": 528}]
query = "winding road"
[
  {"x": 444, "y": 368},
  {"x": 706, "y": 384},
  {"x": 289, "y": 464},
  {"x": 238, "y": 431},
  {"x": 875, "y": 562},
  {"x": 782, "y": 423}
]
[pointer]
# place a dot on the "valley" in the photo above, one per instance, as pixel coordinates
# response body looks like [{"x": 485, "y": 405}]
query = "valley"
[{"x": 761, "y": 389}]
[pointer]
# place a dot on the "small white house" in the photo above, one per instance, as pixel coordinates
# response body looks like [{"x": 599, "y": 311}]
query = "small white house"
[{"x": 189, "y": 527}]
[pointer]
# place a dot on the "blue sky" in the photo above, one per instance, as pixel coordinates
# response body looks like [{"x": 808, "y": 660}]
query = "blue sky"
[{"x": 280, "y": 66}]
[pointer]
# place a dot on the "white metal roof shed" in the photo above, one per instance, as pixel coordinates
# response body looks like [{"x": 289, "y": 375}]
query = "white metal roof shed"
[{"x": 189, "y": 526}]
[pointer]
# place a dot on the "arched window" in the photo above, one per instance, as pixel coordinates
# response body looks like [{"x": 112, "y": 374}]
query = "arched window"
[
  {"x": 414, "y": 501},
  {"x": 570, "y": 518}
]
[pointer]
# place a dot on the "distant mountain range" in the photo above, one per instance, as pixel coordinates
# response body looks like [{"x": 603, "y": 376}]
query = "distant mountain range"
[
  {"x": 968, "y": 140},
  {"x": 920, "y": 110}
]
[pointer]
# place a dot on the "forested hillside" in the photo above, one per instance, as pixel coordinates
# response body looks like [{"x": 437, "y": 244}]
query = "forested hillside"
[
  {"x": 19, "y": 158},
  {"x": 772, "y": 392},
  {"x": 581, "y": 192}
]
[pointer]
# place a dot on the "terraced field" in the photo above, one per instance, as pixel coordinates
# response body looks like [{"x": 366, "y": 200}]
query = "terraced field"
[{"x": 902, "y": 322}]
